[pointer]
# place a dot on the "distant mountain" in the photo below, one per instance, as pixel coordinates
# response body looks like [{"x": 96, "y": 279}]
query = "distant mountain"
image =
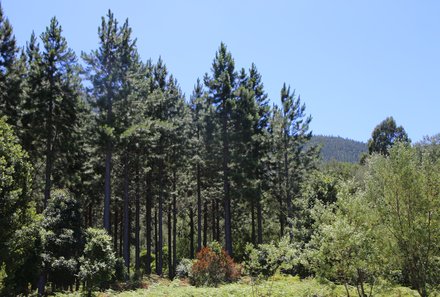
[{"x": 339, "y": 149}]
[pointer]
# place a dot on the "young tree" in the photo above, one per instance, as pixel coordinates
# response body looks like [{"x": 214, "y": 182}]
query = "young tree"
[
  {"x": 403, "y": 188},
  {"x": 63, "y": 236}
]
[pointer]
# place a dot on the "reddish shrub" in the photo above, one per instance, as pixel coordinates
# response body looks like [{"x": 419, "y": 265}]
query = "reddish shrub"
[{"x": 214, "y": 267}]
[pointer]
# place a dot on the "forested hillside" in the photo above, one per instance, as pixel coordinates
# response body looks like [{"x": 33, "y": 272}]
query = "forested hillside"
[
  {"x": 336, "y": 148},
  {"x": 110, "y": 175}
]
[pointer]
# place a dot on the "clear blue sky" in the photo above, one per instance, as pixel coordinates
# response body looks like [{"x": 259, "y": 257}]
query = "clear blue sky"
[{"x": 353, "y": 62}]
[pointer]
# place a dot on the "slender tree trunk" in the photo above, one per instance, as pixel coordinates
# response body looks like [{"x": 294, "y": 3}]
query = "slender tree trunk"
[
  {"x": 115, "y": 231},
  {"x": 287, "y": 188},
  {"x": 227, "y": 198},
  {"x": 346, "y": 289},
  {"x": 126, "y": 217},
  {"x": 49, "y": 155},
  {"x": 199, "y": 212},
  {"x": 108, "y": 165},
  {"x": 41, "y": 284},
  {"x": 205, "y": 224},
  {"x": 191, "y": 233},
  {"x": 137, "y": 261},
  {"x": 213, "y": 220},
  {"x": 170, "y": 255},
  {"x": 259, "y": 221},
  {"x": 148, "y": 226},
  {"x": 160, "y": 220},
  {"x": 253, "y": 237},
  {"x": 217, "y": 216},
  {"x": 121, "y": 233},
  {"x": 156, "y": 240},
  {"x": 174, "y": 225}
]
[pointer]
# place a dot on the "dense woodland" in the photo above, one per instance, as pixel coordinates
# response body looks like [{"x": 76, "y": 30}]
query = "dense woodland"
[
  {"x": 108, "y": 173},
  {"x": 336, "y": 148}
]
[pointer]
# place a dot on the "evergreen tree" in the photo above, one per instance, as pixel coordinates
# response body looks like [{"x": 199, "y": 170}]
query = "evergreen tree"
[
  {"x": 107, "y": 67},
  {"x": 221, "y": 86},
  {"x": 12, "y": 72},
  {"x": 55, "y": 103}
]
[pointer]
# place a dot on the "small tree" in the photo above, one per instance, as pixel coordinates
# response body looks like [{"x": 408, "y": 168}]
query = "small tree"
[
  {"x": 404, "y": 190},
  {"x": 98, "y": 260},
  {"x": 62, "y": 238},
  {"x": 347, "y": 245}
]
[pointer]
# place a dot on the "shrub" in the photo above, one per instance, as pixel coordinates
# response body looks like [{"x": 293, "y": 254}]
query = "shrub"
[
  {"x": 263, "y": 261},
  {"x": 98, "y": 261},
  {"x": 184, "y": 269},
  {"x": 213, "y": 266}
]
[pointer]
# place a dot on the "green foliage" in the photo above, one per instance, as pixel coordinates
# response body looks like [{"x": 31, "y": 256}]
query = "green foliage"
[
  {"x": 265, "y": 260},
  {"x": 19, "y": 233},
  {"x": 339, "y": 149},
  {"x": 277, "y": 286},
  {"x": 346, "y": 247},
  {"x": 184, "y": 269},
  {"x": 63, "y": 238},
  {"x": 97, "y": 264},
  {"x": 385, "y": 135},
  {"x": 404, "y": 190}
]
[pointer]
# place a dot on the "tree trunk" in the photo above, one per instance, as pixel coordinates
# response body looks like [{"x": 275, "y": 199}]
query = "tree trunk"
[
  {"x": 199, "y": 212},
  {"x": 227, "y": 198},
  {"x": 213, "y": 220},
  {"x": 121, "y": 233},
  {"x": 108, "y": 158},
  {"x": 170, "y": 256},
  {"x": 148, "y": 227},
  {"x": 217, "y": 215},
  {"x": 156, "y": 240},
  {"x": 137, "y": 261},
  {"x": 174, "y": 225},
  {"x": 115, "y": 231},
  {"x": 191, "y": 233},
  {"x": 253, "y": 237},
  {"x": 259, "y": 221},
  {"x": 205, "y": 224},
  {"x": 126, "y": 217},
  {"x": 49, "y": 154},
  {"x": 160, "y": 220}
]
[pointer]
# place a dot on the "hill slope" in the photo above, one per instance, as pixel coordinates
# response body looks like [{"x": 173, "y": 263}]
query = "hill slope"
[{"x": 339, "y": 149}]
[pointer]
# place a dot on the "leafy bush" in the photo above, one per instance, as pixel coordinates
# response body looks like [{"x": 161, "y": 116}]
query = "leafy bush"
[
  {"x": 264, "y": 260},
  {"x": 184, "y": 269},
  {"x": 213, "y": 266},
  {"x": 98, "y": 261}
]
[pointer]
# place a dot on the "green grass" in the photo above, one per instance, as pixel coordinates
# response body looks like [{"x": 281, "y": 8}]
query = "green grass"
[{"x": 276, "y": 286}]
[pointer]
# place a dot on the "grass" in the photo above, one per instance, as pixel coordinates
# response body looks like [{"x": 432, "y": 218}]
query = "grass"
[{"x": 276, "y": 286}]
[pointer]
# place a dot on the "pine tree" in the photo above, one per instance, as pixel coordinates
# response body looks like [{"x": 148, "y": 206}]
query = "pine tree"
[
  {"x": 221, "y": 90},
  {"x": 54, "y": 104},
  {"x": 107, "y": 68},
  {"x": 12, "y": 72}
]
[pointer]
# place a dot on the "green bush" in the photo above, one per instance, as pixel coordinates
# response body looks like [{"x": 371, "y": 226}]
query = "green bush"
[
  {"x": 98, "y": 261},
  {"x": 184, "y": 269},
  {"x": 263, "y": 261}
]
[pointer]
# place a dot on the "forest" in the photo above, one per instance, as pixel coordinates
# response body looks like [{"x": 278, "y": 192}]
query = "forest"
[{"x": 111, "y": 179}]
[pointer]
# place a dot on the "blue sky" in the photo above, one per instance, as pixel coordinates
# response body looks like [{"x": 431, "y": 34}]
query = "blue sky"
[{"x": 353, "y": 62}]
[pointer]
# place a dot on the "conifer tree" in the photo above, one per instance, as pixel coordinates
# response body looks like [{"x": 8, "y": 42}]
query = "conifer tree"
[{"x": 221, "y": 86}]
